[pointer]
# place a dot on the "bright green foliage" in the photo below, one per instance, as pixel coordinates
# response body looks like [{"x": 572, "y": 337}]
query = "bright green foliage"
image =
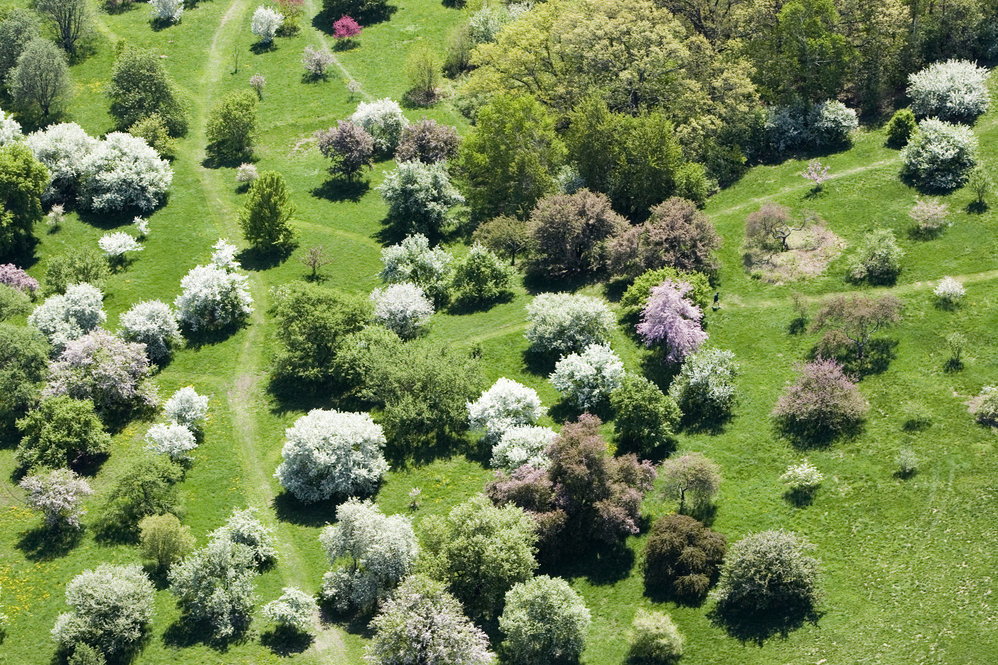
[
  {"x": 482, "y": 277},
  {"x": 59, "y": 432},
  {"x": 164, "y": 540},
  {"x": 13, "y": 303},
  {"x": 311, "y": 322},
  {"x": 481, "y": 551},
  {"x": 139, "y": 87},
  {"x": 23, "y": 180},
  {"x": 981, "y": 184},
  {"x": 17, "y": 29},
  {"x": 145, "y": 488},
  {"x": 636, "y": 296},
  {"x": 655, "y": 639},
  {"x": 510, "y": 160},
  {"x": 506, "y": 236},
  {"x": 900, "y": 128},
  {"x": 83, "y": 264},
  {"x": 84, "y": 654},
  {"x": 691, "y": 477},
  {"x": 231, "y": 126},
  {"x": 155, "y": 132},
  {"x": 545, "y": 622},
  {"x": 23, "y": 368},
  {"x": 41, "y": 77},
  {"x": 266, "y": 217},
  {"x": 644, "y": 417},
  {"x": 648, "y": 160},
  {"x": 877, "y": 259}
]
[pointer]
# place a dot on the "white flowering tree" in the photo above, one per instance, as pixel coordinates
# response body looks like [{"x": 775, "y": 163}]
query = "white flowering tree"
[
  {"x": 587, "y": 379},
  {"x": 332, "y": 453},
  {"x": 705, "y": 386},
  {"x": 954, "y": 90},
  {"x": 153, "y": 323},
  {"x": 402, "y": 308},
  {"x": 506, "y": 404},
  {"x": 371, "y": 553},
  {"x": 564, "y": 322},
  {"x": 58, "y": 495},
  {"x": 167, "y": 11},
  {"x": 414, "y": 261},
  {"x": 65, "y": 317},
  {"x": 213, "y": 298},
  {"x": 123, "y": 172},
  {"x": 214, "y": 585},
  {"x": 116, "y": 245},
  {"x": 949, "y": 291},
  {"x": 293, "y": 611},
  {"x": 245, "y": 528},
  {"x": 10, "y": 129},
  {"x": 187, "y": 408},
  {"x": 940, "y": 155},
  {"x": 62, "y": 148},
  {"x": 523, "y": 445},
  {"x": 223, "y": 255},
  {"x": 171, "y": 439},
  {"x": 384, "y": 121},
  {"x": 265, "y": 23},
  {"x": 419, "y": 196}
]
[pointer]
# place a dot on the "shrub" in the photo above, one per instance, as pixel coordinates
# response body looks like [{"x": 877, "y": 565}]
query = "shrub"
[
  {"x": 907, "y": 462},
  {"x": 693, "y": 477},
  {"x": 985, "y": 407},
  {"x": 523, "y": 445},
  {"x": 402, "y": 308},
  {"x": 655, "y": 639},
  {"x": 676, "y": 235},
  {"x": 106, "y": 369},
  {"x": 482, "y": 277},
  {"x": 955, "y": 90},
  {"x": 422, "y": 70},
  {"x": 384, "y": 121},
  {"x": 704, "y": 389},
  {"x": 900, "y": 128},
  {"x": 939, "y": 156},
  {"x": 266, "y": 217},
  {"x": 570, "y": 233},
  {"x": 422, "y": 623},
  {"x": 139, "y": 87},
  {"x": 116, "y": 245},
  {"x": 57, "y": 495},
  {"x": 414, "y": 261},
  {"x": 112, "y": 609},
  {"x": 817, "y": 173},
  {"x": 244, "y": 528},
  {"x": 247, "y": 174},
  {"x": 545, "y": 620},
  {"x": 293, "y": 11},
  {"x": 802, "y": 478},
  {"x": 349, "y": 146},
  {"x": 171, "y": 439},
  {"x": 84, "y": 654},
  {"x": 332, "y": 453},
  {"x": 819, "y": 126},
  {"x": 316, "y": 62},
  {"x": 231, "y": 125},
  {"x": 212, "y": 298},
  {"x": 381, "y": 550},
  {"x": 831, "y": 123},
  {"x": 877, "y": 259},
  {"x": 587, "y": 379},
  {"x": 265, "y": 23},
  {"x": 64, "y": 318},
  {"x": 10, "y": 129},
  {"x": 562, "y": 322},
  {"x": 506, "y": 236},
  {"x": 930, "y": 216},
  {"x": 858, "y": 318},
  {"x": 164, "y": 540},
  {"x": 822, "y": 403},
  {"x": 214, "y": 585},
  {"x": 167, "y": 11},
  {"x": 224, "y": 255},
  {"x": 16, "y": 278},
  {"x": 123, "y": 172},
  {"x": 644, "y": 417},
  {"x": 185, "y": 407},
  {"x": 41, "y": 77},
  {"x": 23, "y": 180},
  {"x": 427, "y": 141},
  {"x": 949, "y": 291},
  {"x": 682, "y": 557},
  {"x": 61, "y": 431},
  {"x": 293, "y": 610},
  {"x": 768, "y": 576},
  {"x": 419, "y": 196},
  {"x": 345, "y": 29},
  {"x": 83, "y": 264},
  {"x": 13, "y": 303},
  {"x": 506, "y": 404},
  {"x": 480, "y": 551},
  {"x": 147, "y": 487},
  {"x": 981, "y": 185},
  {"x": 153, "y": 323},
  {"x": 672, "y": 320},
  {"x": 153, "y": 130}
]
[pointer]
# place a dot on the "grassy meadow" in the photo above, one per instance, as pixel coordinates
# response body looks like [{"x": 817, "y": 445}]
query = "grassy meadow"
[{"x": 908, "y": 562}]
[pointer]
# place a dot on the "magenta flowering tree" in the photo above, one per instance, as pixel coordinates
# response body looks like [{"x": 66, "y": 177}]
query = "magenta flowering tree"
[
  {"x": 11, "y": 275},
  {"x": 671, "y": 319},
  {"x": 817, "y": 173},
  {"x": 345, "y": 28}
]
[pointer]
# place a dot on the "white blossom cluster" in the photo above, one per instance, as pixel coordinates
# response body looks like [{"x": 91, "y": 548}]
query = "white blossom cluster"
[
  {"x": 523, "y": 444},
  {"x": 116, "y": 244},
  {"x": 955, "y": 90},
  {"x": 65, "y": 317},
  {"x": 265, "y": 23},
  {"x": 171, "y": 439},
  {"x": 506, "y": 404},
  {"x": 383, "y": 120},
  {"x": 402, "y": 308},
  {"x": 168, "y": 11},
  {"x": 587, "y": 379}
]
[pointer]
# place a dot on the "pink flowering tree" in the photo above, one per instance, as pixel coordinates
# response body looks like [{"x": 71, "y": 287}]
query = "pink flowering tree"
[
  {"x": 817, "y": 173},
  {"x": 345, "y": 29},
  {"x": 671, "y": 319}
]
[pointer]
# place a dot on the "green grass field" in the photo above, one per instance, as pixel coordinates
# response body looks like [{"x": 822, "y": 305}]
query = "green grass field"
[{"x": 908, "y": 563}]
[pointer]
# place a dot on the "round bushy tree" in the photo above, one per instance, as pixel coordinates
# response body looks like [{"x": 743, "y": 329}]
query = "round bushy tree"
[
  {"x": 414, "y": 261},
  {"x": 419, "y": 196},
  {"x": 506, "y": 236},
  {"x": 13, "y": 303},
  {"x": 655, "y": 639},
  {"x": 265, "y": 23},
  {"x": 691, "y": 477},
  {"x": 292, "y": 611},
  {"x": 266, "y": 217},
  {"x": 506, "y": 404},
  {"x": 380, "y": 551},
  {"x": 636, "y": 296},
  {"x": 66, "y": 317},
  {"x": 384, "y": 121},
  {"x": 23, "y": 180},
  {"x": 147, "y": 487},
  {"x": 900, "y": 128},
  {"x": 185, "y": 407},
  {"x": 427, "y": 141},
  {"x": 123, "y": 173},
  {"x": 167, "y": 11},
  {"x": 332, "y": 453},
  {"x": 17, "y": 29},
  {"x": 939, "y": 156},
  {"x": 985, "y": 405},
  {"x": 40, "y": 80},
  {"x": 877, "y": 259},
  {"x": 73, "y": 21},
  {"x": 349, "y": 146},
  {"x": 402, "y": 308},
  {"x": 422, "y": 624},
  {"x": 16, "y": 278},
  {"x": 164, "y": 540},
  {"x": 212, "y": 298},
  {"x": 171, "y": 439},
  {"x": 831, "y": 123},
  {"x": 482, "y": 277},
  {"x": 244, "y": 528},
  {"x": 545, "y": 621},
  {"x": 570, "y": 233},
  {"x": 955, "y": 90},
  {"x": 768, "y": 576},
  {"x": 822, "y": 403},
  {"x": 112, "y": 609},
  {"x": 139, "y": 87},
  {"x": 682, "y": 557},
  {"x": 564, "y": 322},
  {"x": 153, "y": 323},
  {"x": 644, "y": 417},
  {"x": 672, "y": 320},
  {"x": 214, "y": 585},
  {"x": 523, "y": 445},
  {"x": 59, "y": 432},
  {"x": 704, "y": 389},
  {"x": 231, "y": 125},
  {"x": 57, "y": 495},
  {"x": 586, "y": 379},
  {"x": 23, "y": 368}
]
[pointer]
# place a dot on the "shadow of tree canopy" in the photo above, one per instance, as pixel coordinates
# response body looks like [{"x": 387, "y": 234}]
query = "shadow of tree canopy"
[
  {"x": 45, "y": 544},
  {"x": 113, "y": 220},
  {"x": 284, "y": 641},
  {"x": 333, "y": 10},
  {"x": 877, "y": 358},
  {"x": 290, "y": 509},
  {"x": 338, "y": 189},
  {"x": 187, "y": 633},
  {"x": 256, "y": 260},
  {"x": 757, "y": 626},
  {"x": 600, "y": 565}
]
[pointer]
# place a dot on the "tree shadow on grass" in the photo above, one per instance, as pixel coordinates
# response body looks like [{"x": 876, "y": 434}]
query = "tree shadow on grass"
[
  {"x": 539, "y": 363},
  {"x": 601, "y": 565},
  {"x": 108, "y": 220},
  {"x": 538, "y": 283},
  {"x": 46, "y": 543},
  {"x": 800, "y": 498},
  {"x": 705, "y": 423},
  {"x": 879, "y": 354},
  {"x": 290, "y": 509},
  {"x": 757, "y": 626},
  {"x": 257, "y": 260},
  {"x": 355, "y": 623},
  {"x": 228, "y": 162},
  {"x": 460, "y": 308},
  {"x": 977, "y": 207},
  {"x": 201, "y": 338},
  {"x": 262, "y": 47},
  {"x": 284, "y": 641},
  {"x": 185, "y": 633},
  {"x": 323, "y": 21},
  {"x": 336, "y": 189}
]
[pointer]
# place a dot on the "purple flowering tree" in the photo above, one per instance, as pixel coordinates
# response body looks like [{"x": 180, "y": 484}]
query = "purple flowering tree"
[
  {"x": 671, "y": 319},
  {"x": 13, "y": 276}
]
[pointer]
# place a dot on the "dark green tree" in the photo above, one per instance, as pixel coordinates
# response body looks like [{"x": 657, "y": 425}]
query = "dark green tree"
[
  {"x": 24, "y": 356},
  {"x": 147, "y": 487},
  {"x": 231, "y": 126},
  {"x": 266, "y": 217},
  {"x": 140, "y": 87}
]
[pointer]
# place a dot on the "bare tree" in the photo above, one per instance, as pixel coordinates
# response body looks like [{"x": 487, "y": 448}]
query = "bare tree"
[
  {"x": 315, "y": 258},
  {"x": 858, "y": 317}
]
